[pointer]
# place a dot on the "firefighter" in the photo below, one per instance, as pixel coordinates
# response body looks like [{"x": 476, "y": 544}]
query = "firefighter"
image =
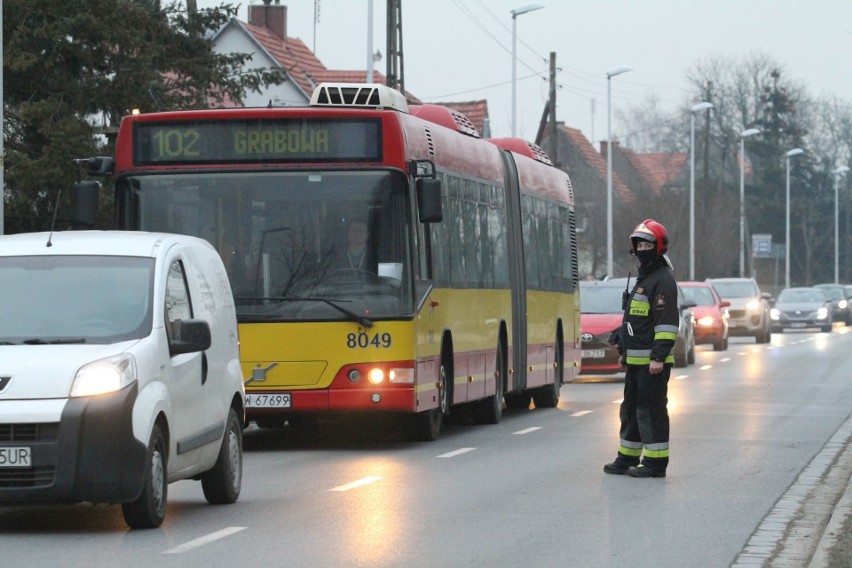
[{"x": 645, "y": 340}]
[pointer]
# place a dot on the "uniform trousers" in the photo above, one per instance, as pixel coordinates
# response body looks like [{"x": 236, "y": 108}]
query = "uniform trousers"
[{"x": 644, "y": 414}]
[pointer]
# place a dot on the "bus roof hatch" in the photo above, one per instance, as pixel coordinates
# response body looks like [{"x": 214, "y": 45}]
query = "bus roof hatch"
[{"x": 368, "y": 95}]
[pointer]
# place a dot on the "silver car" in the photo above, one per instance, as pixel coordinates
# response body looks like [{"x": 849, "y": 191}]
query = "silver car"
[{"x": 749, "y": 309}]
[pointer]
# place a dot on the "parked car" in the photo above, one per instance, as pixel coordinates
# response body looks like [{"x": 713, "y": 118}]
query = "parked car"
[
  {"x": 841, "y": 311},
  {"x": 119, "y": 371},
  {"x": 601, "y": 312},
  {"x": 801, "y": 308},
  {"x": 711, "y": 315},
  {"x": 684, "y": 348},
  {"x": 749, "y": 309}
]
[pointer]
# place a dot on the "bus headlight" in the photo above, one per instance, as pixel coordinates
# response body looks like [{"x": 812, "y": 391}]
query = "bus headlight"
[{"x": 376, "y": 376}]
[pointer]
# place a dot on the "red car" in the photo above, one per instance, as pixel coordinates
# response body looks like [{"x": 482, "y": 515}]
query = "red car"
[
  {"x": 600, "y": 314},
  {"x": 711, "y": 314}
]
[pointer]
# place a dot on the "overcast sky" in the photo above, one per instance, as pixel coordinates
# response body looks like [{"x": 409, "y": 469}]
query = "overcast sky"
[{"x": 457, "y": 50}]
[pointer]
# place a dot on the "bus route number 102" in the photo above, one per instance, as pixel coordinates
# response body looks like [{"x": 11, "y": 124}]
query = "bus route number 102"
[{"x": 364, "y": 340}]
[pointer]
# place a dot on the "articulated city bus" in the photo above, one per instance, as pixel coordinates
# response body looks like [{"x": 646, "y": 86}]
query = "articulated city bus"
[{"x": 383, "y": 258}]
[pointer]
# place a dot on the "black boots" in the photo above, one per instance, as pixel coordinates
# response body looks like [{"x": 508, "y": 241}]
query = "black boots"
[
  {"x": 645, "y": 471},
  {"x": 620, "y": 466}
]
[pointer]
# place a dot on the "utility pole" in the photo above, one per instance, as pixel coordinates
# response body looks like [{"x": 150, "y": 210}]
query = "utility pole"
[
  {"x": 554, "y": 141},
  {"x": 395, "y": 73}
]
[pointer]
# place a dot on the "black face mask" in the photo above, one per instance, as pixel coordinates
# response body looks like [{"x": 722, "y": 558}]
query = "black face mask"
[{"x": 646, "y": 257}]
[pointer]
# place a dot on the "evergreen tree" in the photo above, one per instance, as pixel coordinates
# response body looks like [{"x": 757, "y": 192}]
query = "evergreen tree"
[{"x": 72, "y": 69}]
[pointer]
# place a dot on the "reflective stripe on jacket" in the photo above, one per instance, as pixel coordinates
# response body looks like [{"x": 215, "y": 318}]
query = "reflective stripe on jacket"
[{"x": 650, "y": 323}]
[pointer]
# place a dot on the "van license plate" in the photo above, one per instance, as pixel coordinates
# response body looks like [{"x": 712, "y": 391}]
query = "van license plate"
[
  {"x": 16, "y": 457},
  {"x": 276, "y": 400}
]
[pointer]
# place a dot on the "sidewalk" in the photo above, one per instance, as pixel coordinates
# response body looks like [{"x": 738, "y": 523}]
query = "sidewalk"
[
  {"x": 835, "y": 547},
  {"x": 811, "y": 524}
]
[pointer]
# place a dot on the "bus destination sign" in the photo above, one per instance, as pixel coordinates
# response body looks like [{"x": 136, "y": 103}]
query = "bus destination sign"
[{"x": 253, "y": 141}]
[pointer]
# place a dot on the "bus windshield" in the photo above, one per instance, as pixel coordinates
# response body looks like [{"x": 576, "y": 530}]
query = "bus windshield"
[{"x": 298, "y": 246}]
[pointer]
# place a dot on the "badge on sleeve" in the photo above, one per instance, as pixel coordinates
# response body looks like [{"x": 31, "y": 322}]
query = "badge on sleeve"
[{"x": 660, "y": 302}]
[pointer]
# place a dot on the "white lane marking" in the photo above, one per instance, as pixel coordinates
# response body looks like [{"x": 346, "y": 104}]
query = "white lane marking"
[
  {"x": 527, "y": 430},
  {"x": 725, "y": 360},
  {"x": 206, "y": 539},
  {"x": 354, "y": 484},
  {"x": 681, "y": 377},
  {"x": 456, "y": 453},
  {"x": 582, "y": 413},
  {"x": 705, "y": 367}
]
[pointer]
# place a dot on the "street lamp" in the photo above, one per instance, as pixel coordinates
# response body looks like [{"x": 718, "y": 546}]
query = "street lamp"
[
  {"x": 743, "y": 135},
  {"x": 696, "y": 108},
  {"x": 515, "y": 13},
  {"x": 837, "y": 173},
  {"x": 788, "y": 155},
  {"x": 609, "y": 75}
]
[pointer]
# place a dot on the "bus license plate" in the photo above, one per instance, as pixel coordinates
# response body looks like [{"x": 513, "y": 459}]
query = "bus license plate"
[
  {"x": 16, "y": 457},
  {"x": 277, "y": 400},
  {"x": 593, "y": 353}
]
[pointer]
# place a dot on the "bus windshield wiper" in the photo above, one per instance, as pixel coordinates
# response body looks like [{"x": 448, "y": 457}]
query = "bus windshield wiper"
[
  {"x": 366, "y": 322},
  {"x": 40, "y": 341}
]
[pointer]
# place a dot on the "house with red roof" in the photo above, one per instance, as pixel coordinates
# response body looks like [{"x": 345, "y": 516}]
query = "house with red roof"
[{"x": 265, "y": 37}]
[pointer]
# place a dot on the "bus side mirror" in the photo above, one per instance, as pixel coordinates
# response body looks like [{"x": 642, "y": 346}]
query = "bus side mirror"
[
  {"x": 429, "y": 200},
  {"x": 84, "y": 203}
]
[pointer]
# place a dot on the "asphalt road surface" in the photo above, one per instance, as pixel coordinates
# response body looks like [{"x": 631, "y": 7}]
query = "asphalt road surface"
[{"x": 751, "y": 428}]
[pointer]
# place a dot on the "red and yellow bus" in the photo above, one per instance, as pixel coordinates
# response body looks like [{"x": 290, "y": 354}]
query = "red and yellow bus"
[{"x": 466, "y": 293}]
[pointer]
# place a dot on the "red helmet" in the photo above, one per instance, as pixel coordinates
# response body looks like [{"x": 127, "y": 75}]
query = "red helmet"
[{"x": 650, "y": 230}]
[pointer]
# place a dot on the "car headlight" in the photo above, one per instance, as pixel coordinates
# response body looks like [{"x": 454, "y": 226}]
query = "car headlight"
[
  {"x": 842, "y": 304},
  {"x": 706, "y": 321},
  {"x": 774, "y": 314},
  {"x": 753, "y": 305},
  {"x": 104, "y": 376},
  {"x": 822, "y": 313}
]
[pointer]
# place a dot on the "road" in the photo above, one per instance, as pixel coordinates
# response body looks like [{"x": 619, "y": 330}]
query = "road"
[{"x": 526, "y": 492}]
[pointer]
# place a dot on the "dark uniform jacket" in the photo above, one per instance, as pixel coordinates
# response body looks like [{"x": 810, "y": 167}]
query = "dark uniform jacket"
[{"x": 649, "y": 327}]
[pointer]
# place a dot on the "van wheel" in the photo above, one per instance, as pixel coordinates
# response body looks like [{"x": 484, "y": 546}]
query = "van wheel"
[
  {"x": 149, "y": 510},
  {"x": 221, "y": 485}
]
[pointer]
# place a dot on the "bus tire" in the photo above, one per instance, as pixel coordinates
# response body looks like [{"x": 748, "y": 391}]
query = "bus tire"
[
  {"x": 490, "y": 409},
  {"x": 149, "y": 509},
  {"x": 426, "y": 426},
  {"x": 548, "y": 395},
  {"x": 518, "y": 400}
]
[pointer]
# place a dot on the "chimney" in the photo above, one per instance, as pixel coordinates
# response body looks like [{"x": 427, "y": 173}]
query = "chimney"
[{"x": 269, "y": 16}]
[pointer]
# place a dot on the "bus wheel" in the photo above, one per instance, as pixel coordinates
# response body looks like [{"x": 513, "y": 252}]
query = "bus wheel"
[
  {"x": 548, "y": 395},
  {"x": 489, "y": 410},
  {"x": 426, "y": 426},
  {"x": 518, "y": 400}
]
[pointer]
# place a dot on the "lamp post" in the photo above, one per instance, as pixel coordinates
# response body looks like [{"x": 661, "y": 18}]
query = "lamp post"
[
  {"x": 609, "y": 75},
  {"x": 515, "y": 13},
  {"x": 788, "y": 155},
  {"x": 743, "y": 135},
  {"x": 696, "y": 108},
  {"x": 837, "y": 173}
]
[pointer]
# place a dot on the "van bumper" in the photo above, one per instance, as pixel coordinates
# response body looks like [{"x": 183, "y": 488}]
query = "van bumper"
[{"x": 88, "y": 454}]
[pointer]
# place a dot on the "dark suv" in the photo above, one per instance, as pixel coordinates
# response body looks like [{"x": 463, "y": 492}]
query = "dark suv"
[
  {"x": 840, "y": 309},
  {"x": 749, "y": 309}
]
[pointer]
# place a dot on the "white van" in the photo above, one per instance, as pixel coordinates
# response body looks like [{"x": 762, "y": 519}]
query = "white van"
[{"x": 119, "y": 371}]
